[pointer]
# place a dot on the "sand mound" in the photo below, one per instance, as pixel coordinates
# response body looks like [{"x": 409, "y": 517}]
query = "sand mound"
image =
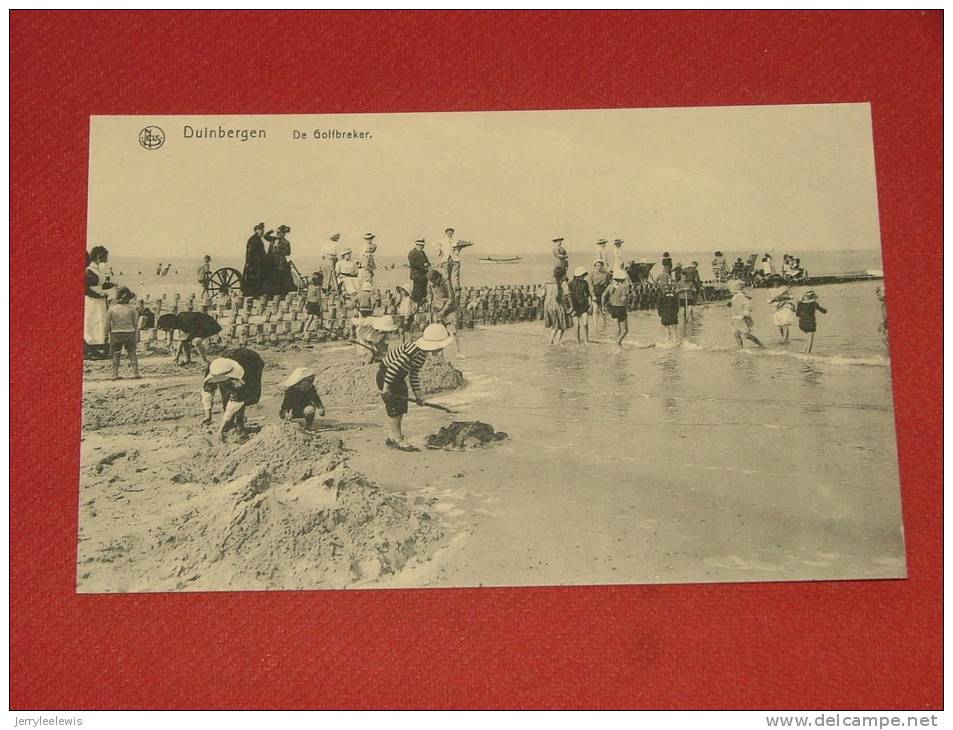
[
  {"x": 344, "y": 383},
  {"x": 282, "y": 510},
  {"x": 465, "y": 435}
]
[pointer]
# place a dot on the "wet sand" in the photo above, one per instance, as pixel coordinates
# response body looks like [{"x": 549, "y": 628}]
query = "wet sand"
[{"x": 620, "y": 489}]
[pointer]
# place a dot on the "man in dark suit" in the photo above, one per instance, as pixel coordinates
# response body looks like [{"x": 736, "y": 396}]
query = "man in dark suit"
[
  {"x": 256, "y": 264},
  {"x": 419, "y": 266}
]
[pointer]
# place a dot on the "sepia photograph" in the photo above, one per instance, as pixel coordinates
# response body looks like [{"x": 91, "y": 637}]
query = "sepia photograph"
[{"x": 528, "y": 348}]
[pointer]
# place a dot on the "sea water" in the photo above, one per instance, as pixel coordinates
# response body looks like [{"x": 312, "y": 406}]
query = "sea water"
[{"x": 732, "y": 464}]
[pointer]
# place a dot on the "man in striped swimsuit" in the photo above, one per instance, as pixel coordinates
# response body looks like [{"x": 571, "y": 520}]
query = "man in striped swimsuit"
[{"x": 400, "y": 363}]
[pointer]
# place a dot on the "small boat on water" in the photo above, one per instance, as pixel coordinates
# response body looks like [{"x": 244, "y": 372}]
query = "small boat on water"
[{"x": 499, "y": 259}]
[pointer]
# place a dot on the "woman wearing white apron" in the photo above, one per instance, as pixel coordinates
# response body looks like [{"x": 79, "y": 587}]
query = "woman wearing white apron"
[
  {"x": 94, "y": 323},
  {"x": 347, "y": 271}
]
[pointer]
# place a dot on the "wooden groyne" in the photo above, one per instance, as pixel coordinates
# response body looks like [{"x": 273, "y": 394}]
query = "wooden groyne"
[
  {"x": 273, "y": 321},
  {"x": 280, "y": 320}
]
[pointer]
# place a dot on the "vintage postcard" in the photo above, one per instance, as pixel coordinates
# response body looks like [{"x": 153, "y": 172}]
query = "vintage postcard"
[{"x": 485, "y": 349}]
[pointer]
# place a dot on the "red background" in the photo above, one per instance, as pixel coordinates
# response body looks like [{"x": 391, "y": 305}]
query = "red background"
[{"x": 870, "y": 644}]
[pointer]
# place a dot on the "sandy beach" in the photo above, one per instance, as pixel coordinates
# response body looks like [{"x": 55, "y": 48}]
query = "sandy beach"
[{"x": 654, "y": 464}]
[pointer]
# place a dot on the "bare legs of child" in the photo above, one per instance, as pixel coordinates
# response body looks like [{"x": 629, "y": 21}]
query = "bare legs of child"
[{"x": 582, "y": 326}]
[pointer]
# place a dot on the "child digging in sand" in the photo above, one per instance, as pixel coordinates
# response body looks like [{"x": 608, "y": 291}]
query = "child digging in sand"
[
  {"x": 122, "y": 321},
  {"x": 616, "y": 300},
  {"x": 301, "y": 397}
]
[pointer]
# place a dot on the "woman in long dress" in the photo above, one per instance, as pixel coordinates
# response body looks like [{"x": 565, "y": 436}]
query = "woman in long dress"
[
  {"x": 347, "y": 271},
  {"x": 555, "y": 304},
  {"x": 94, "y": 322}
]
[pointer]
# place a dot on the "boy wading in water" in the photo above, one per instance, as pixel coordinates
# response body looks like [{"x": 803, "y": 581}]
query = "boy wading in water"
[
  {"x": 741, "y": 319},
  {"x": 667, "y": 308},
  {"x": 616, "y": 300},
  {"x": 807, "y": 310},
  {"x": 400, "y": 364},
  {"x": 580, "y": 297}
]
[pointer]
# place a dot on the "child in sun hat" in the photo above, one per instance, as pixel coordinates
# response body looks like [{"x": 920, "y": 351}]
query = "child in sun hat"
[
  {"x": 615, "y": 299},
  {"x": 237, "y": 377},
  {"x": 122, "y": 322},
  {"x": 783, "y": 311},
  {"x": 400, "y": 364},
  {"x": 405, "y": 312},
  {"x": 374, "y": 335},
  {"x": 806, "y": 312},
  {"x": 580, "y": 299},
  {"x": 301, "y": 399}
]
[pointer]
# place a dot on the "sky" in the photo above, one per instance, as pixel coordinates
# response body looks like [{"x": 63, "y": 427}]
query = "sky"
[{"x": 689, "y": 179}]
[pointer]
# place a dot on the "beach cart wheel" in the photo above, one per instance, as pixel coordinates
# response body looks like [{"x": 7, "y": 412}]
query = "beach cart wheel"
[{"x": 225, "y": 281}]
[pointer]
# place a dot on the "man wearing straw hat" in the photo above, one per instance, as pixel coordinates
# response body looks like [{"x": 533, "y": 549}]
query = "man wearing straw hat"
[
  {"x": 400, "y": 364},
  {"x": 601, "y": 254},
  {"x": 301, "y": 399},
  {"x": 237, "y": 377}
]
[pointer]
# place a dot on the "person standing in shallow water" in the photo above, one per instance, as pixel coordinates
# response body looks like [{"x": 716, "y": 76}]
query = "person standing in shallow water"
[
  {"x": 616, "y": 300},
  {"x": 807, "y": 310},
  {"x": 555, "y": 304},
  {"x": 741, "y": 320},
  {"x": 667, "y": 308},
  {"x": 580, "y": 297}
]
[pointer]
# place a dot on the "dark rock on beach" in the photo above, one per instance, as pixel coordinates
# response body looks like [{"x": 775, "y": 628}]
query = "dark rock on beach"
[{"x": 464, "y": 435}]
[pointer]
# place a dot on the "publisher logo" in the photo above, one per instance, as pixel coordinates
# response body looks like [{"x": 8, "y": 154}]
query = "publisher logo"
[{"x": 152, "y": 138}]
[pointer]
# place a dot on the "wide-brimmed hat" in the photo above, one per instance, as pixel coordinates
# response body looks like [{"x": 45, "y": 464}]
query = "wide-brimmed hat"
[
  {"x": 297, "y": 376},
  {"x": 450, "y": 229},
  {"x": 421, "y": 241},
  {"x": 123, "y": 295},
  {"x": 619, "y": 274},
  {"x": 284, "y": 229},
  {"x": 580, "y": 271},
  {"x": 368, "y": 236},
  {"x": 809, "y": 295},
  {"x": 618, "y": 242},
  {"x": 224, "y": 368},
  {"x": 367, "y": 286},
  {"x": 598, "y": 261},
  {"x": 558, "y": 240},
  {"x": 736, "y": 285},
  {"x": 344, "y": 251},
  {"x": 384, "y": 323},
  {"x": 717, "y": 253},
  {"x": 601, "y": 242},
  {"x": 435, "y": 337},
  {"x": 335, "y": 236}
]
